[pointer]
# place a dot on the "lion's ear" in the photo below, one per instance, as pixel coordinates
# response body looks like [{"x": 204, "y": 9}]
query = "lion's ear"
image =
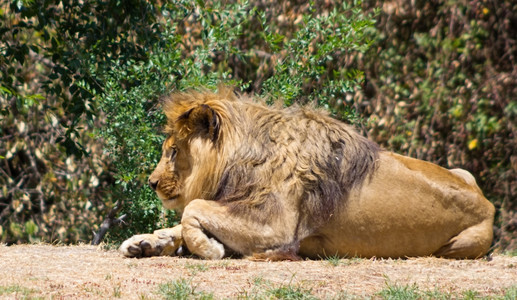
[{"x": 201, "y": 120}]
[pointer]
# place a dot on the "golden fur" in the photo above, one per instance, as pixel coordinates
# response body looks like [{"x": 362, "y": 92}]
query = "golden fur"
[{"x": 253, "y": 179}]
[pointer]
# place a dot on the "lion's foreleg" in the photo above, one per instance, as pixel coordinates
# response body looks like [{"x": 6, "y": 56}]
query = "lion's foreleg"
[
  {"x": 199, "y": 242},
  {"x": 207, "y": 225},
  {"x": 162, "y": 242},
  {"x": 202, "y": 217}
]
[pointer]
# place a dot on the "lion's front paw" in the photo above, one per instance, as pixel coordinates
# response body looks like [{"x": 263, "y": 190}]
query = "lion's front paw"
[{"x": 161, "y": 242}]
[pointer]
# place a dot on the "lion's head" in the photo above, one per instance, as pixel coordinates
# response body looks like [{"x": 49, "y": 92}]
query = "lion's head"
[{"x": 188, "y": 168}]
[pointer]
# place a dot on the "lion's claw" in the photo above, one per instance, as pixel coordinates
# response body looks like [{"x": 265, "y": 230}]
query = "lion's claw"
[{"x": 134, "y": 250}]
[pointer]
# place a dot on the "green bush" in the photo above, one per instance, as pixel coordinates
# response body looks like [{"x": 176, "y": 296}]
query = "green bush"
[{"x": 53, "y": 171}]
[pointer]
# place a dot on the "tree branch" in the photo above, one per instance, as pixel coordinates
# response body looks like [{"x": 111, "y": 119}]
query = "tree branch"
[{"x": 108, "y": 223}]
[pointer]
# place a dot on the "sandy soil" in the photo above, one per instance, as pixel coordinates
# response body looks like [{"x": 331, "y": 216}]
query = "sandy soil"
[{"x": 77, "y": 272}]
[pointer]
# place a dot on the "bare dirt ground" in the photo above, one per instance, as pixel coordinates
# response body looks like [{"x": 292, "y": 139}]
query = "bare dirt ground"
[{"x": 78, "y": 272}]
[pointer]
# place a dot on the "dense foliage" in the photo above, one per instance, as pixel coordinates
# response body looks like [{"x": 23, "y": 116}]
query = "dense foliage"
[
  {"x": 56, "y": 178},
  {"x": 81, "y": 82}
]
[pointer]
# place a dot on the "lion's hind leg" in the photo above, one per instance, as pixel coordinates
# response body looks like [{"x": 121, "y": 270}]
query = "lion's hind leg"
[
  {"x": 160, "y": 243},
  {"x": 473, "y": 242}
]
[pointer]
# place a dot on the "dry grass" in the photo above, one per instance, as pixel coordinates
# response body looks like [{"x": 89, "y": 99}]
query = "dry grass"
[{"x": 74, "y": 272}]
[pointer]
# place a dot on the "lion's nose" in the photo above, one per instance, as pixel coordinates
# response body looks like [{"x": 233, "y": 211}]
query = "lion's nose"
[{"x": 153, "y": 184}]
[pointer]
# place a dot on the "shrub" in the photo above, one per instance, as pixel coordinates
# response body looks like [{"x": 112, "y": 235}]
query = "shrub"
[{"x": 54, "y": 175}]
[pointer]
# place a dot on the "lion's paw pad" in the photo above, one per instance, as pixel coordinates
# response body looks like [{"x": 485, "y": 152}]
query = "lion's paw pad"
[{"x": 143, "y": 245}]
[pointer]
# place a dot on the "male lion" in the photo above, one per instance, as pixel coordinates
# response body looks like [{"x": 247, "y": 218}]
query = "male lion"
[{"x": 283, "y": 183}]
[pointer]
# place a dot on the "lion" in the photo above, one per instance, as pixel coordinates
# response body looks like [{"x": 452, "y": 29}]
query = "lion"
[{"x": 284, "y": 183}]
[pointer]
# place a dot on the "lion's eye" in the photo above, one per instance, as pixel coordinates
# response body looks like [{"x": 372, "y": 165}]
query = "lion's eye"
[{"x": 174, "y": 151}]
